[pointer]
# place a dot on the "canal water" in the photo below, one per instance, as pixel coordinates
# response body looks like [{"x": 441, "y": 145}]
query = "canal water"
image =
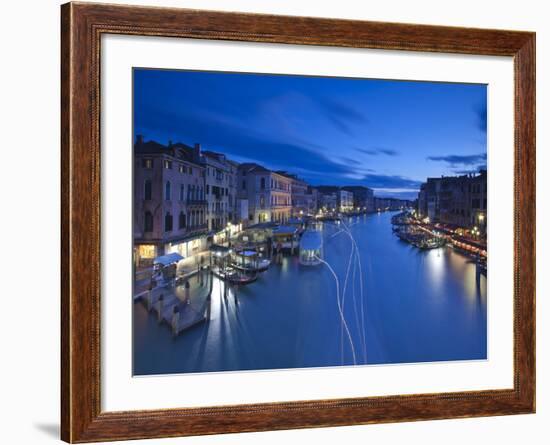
[{"x": 398, "y": 304}]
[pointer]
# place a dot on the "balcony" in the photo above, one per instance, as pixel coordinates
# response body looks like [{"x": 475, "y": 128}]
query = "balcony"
[
  {"x": 196, "y": 228},
  {"x": 195, "y": 202}
]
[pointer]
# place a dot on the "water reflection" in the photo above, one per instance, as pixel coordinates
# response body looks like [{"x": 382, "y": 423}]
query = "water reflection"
[{"x": 399, "y": 305}]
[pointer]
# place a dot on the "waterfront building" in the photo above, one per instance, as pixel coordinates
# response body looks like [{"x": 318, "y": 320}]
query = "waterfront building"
[
  {"x": 298, "y": 194},
  {"x": 345, "y": 201},
  {"x": 421, "y": 204},
  {"x": 219, "y": 180},
  {"x": 328, "y": 197},
  {"x": 169, "y": 201},
  {"x": 363, "y": 197},
  {"x": 455, "y": 200},
  {"x": 268, "y": 193},
  {"x": 433, "y": 189},
  {"x": 392, "y": 204},
  {"x": 233, "y": 202},
  {"x": 312, "y": 200},
  {"x": 328, "y": 202},
  {"x": 478, "y": 201}
]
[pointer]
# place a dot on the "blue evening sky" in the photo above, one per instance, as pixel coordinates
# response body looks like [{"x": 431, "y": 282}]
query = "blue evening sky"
[{"x": 385, "y": 134}]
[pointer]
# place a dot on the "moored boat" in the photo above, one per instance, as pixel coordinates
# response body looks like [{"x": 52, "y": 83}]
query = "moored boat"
[
  {"x": 311, "y": 248},
  {"x": 248, "y": 260}
]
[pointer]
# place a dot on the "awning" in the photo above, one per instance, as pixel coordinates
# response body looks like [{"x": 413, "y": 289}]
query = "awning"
[
  {"x": 218, "y": 248},
  {"x": 247, "y": 253},
  {"x": 170, "y": 258},
  {"x": 294, "y": 221},
  {"x": 264, "y": 225},
  {"x": 285, "y": 230}
]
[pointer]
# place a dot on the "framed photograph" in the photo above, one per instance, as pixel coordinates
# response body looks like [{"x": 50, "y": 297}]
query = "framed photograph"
[{"x": 275, "y": 222}]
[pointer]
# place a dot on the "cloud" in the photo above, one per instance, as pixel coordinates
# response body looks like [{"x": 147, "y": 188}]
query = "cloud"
[
  {"x": 475, "y": 169},
  {"x": 358, "y": 166},
  {"x": 341, "y": 110},
  {"x": 217, "y": 132},
  {"x": 396, "y": 193},
  {"x": 377, "y": 151},
  {"x": 341, "y": 115},
  {"x": 388, "y": 152},
  {"x": 460, "y": 160},
  {"x": 379, "y": 181}
]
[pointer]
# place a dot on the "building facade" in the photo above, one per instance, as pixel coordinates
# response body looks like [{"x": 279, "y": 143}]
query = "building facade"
[
  {"x": 298, "y": 195},
  {"x": 455, "y": 200},
  {"x": 312, "y": 201},
  {"x": 363, "y": 197},
  {"x": 220, "y": 182},
  {"x": 169, "y": 201},
  {"x": 345, "y": 201},
  {"x": 268, "y": 193}
]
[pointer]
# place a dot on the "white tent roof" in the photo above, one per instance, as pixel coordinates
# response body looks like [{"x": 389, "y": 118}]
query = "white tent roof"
[{"x": 170, "y": 258}]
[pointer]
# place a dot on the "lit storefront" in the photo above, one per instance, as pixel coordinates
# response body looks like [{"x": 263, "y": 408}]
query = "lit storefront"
[
  {"x": 187, "y": 248},
  {"x": 145, "y": 254},
  {"x": 232, "y": 230}
]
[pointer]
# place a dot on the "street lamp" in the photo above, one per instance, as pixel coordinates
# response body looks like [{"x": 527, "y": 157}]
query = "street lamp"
[
  {"x": 481, "y": 218},
  {"x": 227, "y": 231}
]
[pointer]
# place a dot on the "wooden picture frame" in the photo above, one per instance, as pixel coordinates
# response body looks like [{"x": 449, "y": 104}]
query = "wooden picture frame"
[{"x": 82, "y": 26}]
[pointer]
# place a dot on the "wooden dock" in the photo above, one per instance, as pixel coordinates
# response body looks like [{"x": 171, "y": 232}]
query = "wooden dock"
[{"x": 179, "y": 315}]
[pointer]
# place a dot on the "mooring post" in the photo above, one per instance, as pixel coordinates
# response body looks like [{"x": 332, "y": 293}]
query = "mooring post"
[
  {"x": 175, "y": 320},
  {"x": 202, "y": 271},
  {"x": 209, "y": 308},
  {"x": 160, "y": 307},
  {"x": 211, "y": 282},
  {"x": 187, "y": 292}
]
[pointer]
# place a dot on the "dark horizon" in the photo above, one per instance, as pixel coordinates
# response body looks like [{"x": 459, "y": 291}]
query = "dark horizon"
[{"x": 316, "y": 127}]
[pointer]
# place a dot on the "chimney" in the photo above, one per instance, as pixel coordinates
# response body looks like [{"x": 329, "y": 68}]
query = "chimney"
[
  {"x": 139, "y": 139},
  {"x": 170, "y": 143},
  {"x": 197, "y": 151}
]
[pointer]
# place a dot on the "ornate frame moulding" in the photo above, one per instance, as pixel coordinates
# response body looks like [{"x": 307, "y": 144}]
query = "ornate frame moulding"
[{"x": 82, "y": 25}]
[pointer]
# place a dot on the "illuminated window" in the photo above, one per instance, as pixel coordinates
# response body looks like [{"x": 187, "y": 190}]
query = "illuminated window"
[{"x": 147, "y": 251}]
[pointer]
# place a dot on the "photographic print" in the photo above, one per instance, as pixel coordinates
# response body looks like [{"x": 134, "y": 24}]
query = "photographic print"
[{"x": 284, "y": 221}]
